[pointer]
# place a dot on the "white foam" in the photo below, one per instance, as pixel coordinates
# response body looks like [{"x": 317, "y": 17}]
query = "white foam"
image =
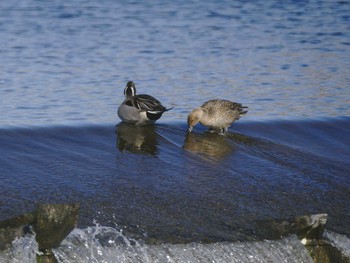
[
  {"x": 23, "y": 250},
  {"x": 104, "y": 244}
]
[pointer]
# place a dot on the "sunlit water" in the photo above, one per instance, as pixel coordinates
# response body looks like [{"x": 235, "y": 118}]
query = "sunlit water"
[
  {"x": 160, "y": 192},
  {"x": 69, "y": 61}
]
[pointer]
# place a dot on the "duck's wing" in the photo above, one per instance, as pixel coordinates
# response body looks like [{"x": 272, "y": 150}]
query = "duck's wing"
[
  {"x": 224, "y": 105},
  {"x": 148, "y": 103}
]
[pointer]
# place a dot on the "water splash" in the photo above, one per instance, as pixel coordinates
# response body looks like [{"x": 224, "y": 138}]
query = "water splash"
[
  {"x": 99, "y": 244},
  {"x": 106, "y": 244},
  {"x": 23, "y": 250}
]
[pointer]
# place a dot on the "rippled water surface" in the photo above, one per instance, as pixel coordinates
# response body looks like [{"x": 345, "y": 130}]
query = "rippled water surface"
[
  {"x": 69, "y": 61},
  {"x": 64, "y": 65}
]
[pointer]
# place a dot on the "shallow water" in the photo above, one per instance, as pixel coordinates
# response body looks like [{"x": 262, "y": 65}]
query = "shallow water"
[
  {"x": 63, "y": 70},
  {"x": 161, "y": 183}
]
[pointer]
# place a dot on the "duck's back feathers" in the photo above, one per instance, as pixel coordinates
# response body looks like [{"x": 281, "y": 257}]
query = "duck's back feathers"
[
  {"x": 148, "y": 103},
  {"x": 224, "y": 106}
]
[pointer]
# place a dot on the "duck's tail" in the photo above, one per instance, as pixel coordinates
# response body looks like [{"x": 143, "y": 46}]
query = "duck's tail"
[
  {"x": 243, "y": 110},
  {"x": 169, "y": 108}
]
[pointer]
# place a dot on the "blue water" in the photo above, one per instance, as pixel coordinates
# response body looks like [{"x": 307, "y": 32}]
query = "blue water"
[
  {"x": 68, "y": 62},
  {"x": 64, "y": 66}
]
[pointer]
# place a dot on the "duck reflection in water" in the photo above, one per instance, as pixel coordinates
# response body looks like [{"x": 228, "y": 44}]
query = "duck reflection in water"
[
  {"x": 208, "y": 145},
  {"x": 136, "y": 139}
]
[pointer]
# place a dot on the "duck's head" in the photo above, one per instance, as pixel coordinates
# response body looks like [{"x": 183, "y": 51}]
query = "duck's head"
[
  {"x": 130, "y": 89},
  {"x": 193, "y": 118}
]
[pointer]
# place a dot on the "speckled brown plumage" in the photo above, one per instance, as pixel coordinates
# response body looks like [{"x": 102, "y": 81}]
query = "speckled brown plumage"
[{"x": 216, "y": 114}]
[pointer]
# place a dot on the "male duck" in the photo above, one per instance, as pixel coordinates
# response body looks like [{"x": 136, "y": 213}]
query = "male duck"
[
  {"x": 216, "y": 114},
  {"x": 139, "y": 109}
]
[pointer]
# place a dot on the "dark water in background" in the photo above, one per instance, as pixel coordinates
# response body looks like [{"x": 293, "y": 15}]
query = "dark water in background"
[{"x": 63, "y": 69}]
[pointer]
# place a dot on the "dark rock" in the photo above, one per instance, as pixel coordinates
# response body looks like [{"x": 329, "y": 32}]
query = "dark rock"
[
  {"x": 308, "y": 227},
  {"x": 322, "y": 251},
  {"x": 53, "y": 223},
  {"x": 14, "y": 227},
  {"x": 46, "y": 256}
]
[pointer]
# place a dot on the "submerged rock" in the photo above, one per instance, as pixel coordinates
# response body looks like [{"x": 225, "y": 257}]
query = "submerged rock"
[
  {"x": 14, "y": 227},
  {"x": 309, "y": 230},
  {"x": 308, "y": 227},
  {"x": 311, "y": 227},
  {"x": 50, "y": 222},
  {"x": 322, "y": 251},
  {"x": 53, "y": 223}
]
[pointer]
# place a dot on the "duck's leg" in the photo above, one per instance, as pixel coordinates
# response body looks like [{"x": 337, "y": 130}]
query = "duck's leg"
[{"x": 223, "y": 131}]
